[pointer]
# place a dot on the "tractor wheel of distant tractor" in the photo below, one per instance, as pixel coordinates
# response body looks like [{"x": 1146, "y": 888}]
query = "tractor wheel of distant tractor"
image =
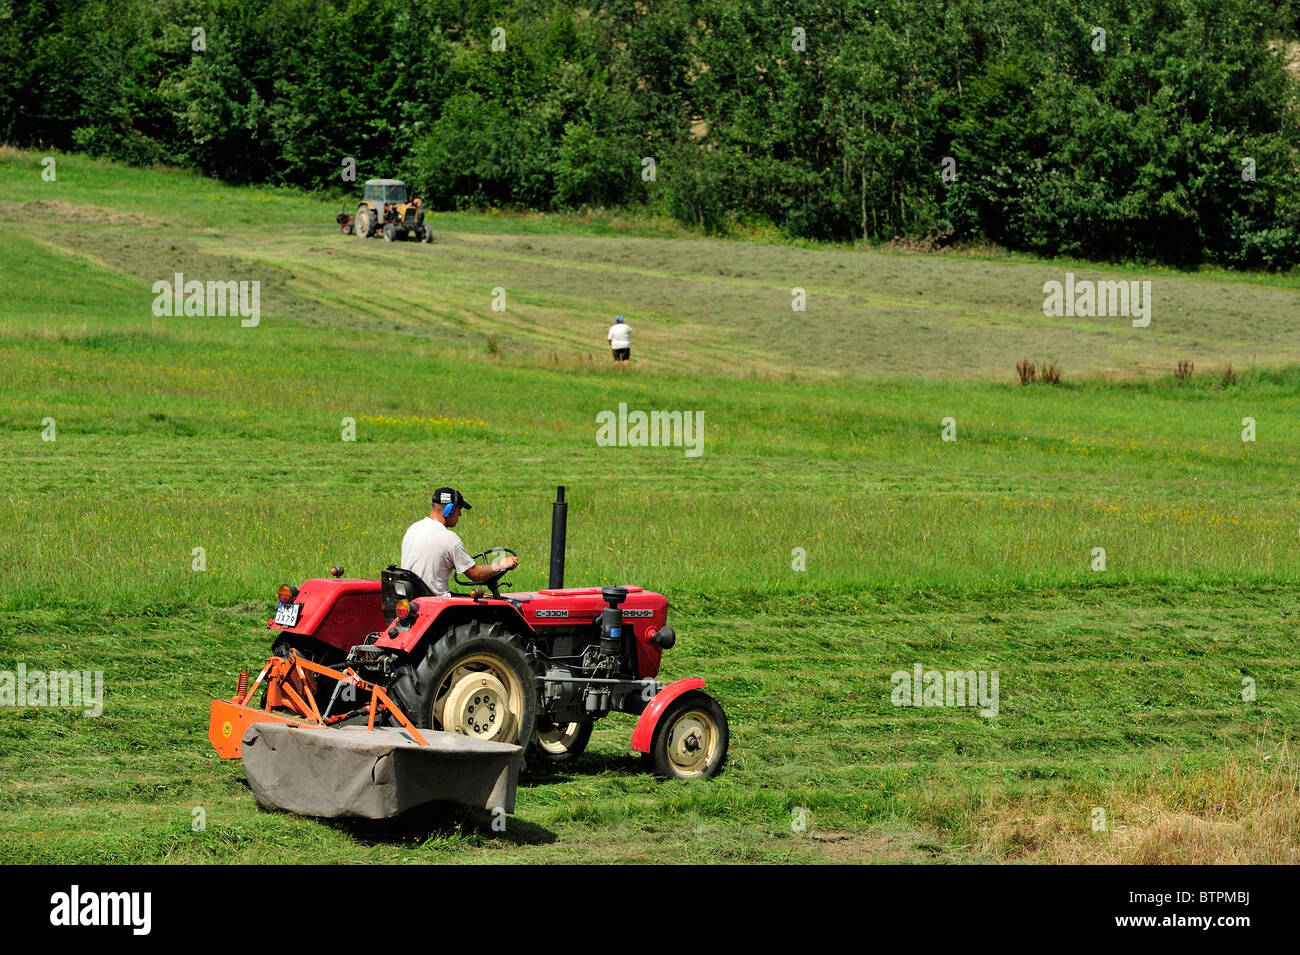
[
  {"x": 390, "y": 232},
  {"x": 556, "y": 743},
  {"x": 365, "y": 225},
  {"x": 690, "y": 740},
  {"x": 474, "y": 680}
]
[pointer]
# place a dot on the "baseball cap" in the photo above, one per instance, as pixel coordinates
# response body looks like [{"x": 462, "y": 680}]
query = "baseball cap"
[
  {"x": 619, "y": 319},
  {"x": 449, "y": 495}
]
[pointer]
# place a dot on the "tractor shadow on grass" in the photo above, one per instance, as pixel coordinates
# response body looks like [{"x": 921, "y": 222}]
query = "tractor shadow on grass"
[
  {"x": 439, "y": 821},
  {"x": 433, "y": 821},
  {"x": 442, "y": 821},
  {"x": 584, "y": 767}
]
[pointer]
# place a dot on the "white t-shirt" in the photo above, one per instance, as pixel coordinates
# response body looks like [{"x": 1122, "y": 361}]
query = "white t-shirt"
[
  {"x": 431, "y": 550},
  {"x": 620, "y": 336}
]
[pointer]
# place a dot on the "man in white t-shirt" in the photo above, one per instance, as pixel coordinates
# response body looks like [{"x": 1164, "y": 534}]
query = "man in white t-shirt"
[
  {"x": 620, "y": 340},
  {"x": 433, "y": 550}
]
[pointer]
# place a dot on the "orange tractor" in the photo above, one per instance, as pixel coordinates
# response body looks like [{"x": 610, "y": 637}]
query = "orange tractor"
[{"x": 386, "y": 207}]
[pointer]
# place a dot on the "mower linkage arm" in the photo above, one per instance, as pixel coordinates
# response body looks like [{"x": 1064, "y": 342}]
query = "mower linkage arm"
[{"x": 280, "y": 670}]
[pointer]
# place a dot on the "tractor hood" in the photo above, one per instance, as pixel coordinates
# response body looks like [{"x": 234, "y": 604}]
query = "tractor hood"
[{"x": 644, "y": 611}]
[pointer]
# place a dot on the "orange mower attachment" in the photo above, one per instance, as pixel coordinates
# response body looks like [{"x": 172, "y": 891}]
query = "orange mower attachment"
[
  {"x": 295, "y": 762},
  {"x": 288, "y": 687}
]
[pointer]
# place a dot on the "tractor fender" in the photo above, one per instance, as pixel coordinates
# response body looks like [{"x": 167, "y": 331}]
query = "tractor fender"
[
  {"x": 435, "y": 614},
  {"x": 644, "y": 733}
]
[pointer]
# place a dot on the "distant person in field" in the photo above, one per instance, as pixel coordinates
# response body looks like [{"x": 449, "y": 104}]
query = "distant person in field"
[{"x": 620, "y": 340}]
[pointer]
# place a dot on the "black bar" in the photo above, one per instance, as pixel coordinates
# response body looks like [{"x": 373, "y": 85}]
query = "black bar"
[{"x": 1025, "y": 902}]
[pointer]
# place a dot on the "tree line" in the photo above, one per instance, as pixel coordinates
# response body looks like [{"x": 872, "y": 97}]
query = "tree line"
[{"x": 1159, "y": 130}]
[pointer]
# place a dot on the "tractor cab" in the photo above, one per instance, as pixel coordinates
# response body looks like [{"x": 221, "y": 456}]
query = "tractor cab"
[{"x": 385, "y": 192}]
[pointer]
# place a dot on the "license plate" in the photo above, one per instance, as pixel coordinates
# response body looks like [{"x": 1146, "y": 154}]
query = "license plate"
[{"x": 286, "y": 615}]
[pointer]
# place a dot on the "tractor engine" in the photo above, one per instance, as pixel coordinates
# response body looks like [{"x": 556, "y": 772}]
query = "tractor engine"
[{"x": 591, "y": 670}]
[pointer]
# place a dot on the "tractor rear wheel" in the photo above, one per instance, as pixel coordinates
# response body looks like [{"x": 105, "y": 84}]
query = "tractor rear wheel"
[
  {"x": 557, "y": 743},
  {"x": 474, "y": 680},
  {"x": 365, "y": 223},
  {"x": 690, "y": 739}
]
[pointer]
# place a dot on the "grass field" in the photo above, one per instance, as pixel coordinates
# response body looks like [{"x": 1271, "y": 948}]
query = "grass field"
[{"x": 1121, "y": 689}]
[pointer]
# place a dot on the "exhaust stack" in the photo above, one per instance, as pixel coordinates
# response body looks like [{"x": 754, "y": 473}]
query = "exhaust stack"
[{"x": 559, "y": 531}]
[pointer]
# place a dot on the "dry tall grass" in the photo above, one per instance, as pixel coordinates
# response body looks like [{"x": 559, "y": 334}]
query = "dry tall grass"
[{"x": 1239, "y": 812}]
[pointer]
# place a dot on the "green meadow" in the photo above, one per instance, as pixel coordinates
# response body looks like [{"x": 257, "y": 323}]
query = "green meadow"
[{"x": 1110, "y": 545}]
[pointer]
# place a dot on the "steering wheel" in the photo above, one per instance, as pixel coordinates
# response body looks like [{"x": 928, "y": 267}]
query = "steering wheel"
[{"x": 492, "y": 582}]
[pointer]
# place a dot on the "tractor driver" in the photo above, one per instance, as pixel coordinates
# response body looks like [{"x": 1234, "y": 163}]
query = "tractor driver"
[{"x": 433, "y": 550}]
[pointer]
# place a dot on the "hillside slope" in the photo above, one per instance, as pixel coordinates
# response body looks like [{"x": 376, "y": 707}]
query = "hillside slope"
[{"x": 695, "y": 305}]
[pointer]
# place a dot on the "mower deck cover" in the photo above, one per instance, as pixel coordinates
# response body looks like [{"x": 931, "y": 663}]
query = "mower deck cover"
[{"x": 375, "y": 774}]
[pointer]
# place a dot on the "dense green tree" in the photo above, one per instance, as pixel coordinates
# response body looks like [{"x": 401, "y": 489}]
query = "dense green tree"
[{"x": 1103, "y": 129}]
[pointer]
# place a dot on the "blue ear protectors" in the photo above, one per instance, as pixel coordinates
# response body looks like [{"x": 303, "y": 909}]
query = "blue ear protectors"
[{"x": 446, "y": 511}]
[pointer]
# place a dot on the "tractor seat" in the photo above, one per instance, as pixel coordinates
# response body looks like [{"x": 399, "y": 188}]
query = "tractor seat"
[{"x": 397, "y": 583}]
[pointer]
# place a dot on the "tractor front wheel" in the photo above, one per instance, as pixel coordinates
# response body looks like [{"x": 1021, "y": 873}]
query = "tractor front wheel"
[
  {"x": 690, "y": 740},
  {"x": 557, "y": 743},
  {"x": 390, "y": 232},
  {"x": 475, "y": 680}
]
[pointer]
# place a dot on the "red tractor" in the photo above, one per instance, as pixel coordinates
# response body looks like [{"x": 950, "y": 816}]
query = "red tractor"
[{"x": 536, "y": 669}]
